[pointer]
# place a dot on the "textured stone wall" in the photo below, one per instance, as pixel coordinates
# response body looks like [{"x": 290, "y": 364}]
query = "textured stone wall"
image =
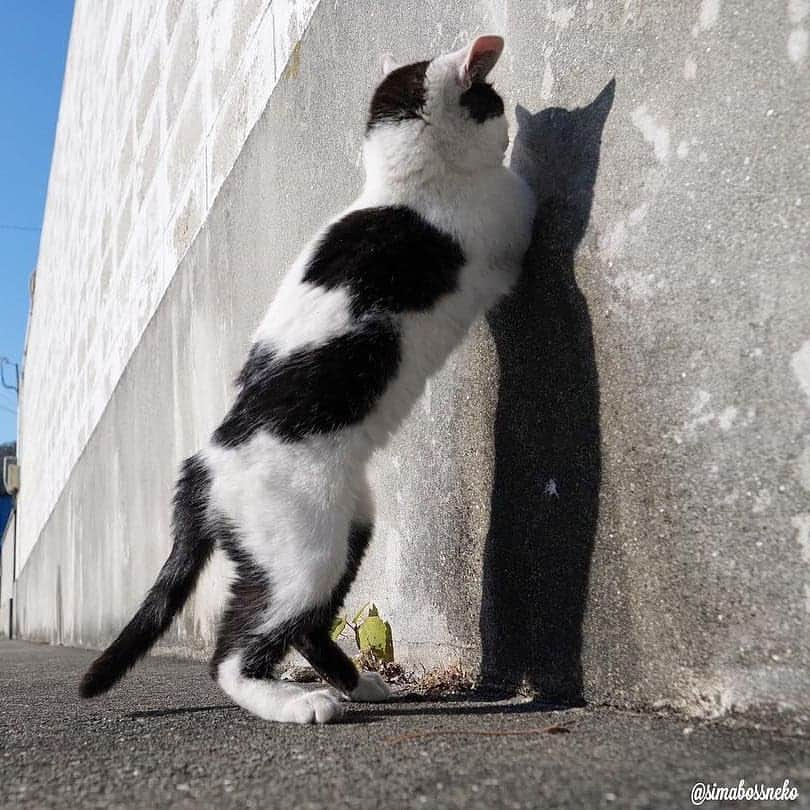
[{"x": 158, "y": 98}]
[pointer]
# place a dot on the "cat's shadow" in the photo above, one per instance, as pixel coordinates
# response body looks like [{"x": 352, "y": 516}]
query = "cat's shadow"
[{"x": 545, "y": 494}]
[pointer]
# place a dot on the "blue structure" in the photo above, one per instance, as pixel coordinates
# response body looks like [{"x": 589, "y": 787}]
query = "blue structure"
[
  {"x": 5, "y": 510},
  {"x": 6, "y": 501}
]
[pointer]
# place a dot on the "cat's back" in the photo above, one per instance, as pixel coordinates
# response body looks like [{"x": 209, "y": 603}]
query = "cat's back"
[
  {"x": 381, "y": 257},
  {"x": 398, "y": 251}
]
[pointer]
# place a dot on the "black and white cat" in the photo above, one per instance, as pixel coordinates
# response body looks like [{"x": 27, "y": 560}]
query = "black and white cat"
[{"x": 370, "y": 309}]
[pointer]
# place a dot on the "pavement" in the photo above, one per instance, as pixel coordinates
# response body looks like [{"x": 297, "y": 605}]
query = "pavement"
[{"x": 167, "y": 737}]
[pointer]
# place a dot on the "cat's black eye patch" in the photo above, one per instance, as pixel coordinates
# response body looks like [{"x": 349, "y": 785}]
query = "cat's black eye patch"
[
  {"x": 313, "y": 391},
  {"x": 389, "y": 257},
  {"x": 400, "y": 96},
  {"x": 482, "y": 102}
]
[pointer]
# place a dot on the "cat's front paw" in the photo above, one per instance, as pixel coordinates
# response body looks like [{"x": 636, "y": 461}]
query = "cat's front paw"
[{"x": 371, "y": 688}]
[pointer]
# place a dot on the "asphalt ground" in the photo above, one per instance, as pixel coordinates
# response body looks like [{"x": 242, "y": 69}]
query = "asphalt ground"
[{"x": 167, "y": 737}]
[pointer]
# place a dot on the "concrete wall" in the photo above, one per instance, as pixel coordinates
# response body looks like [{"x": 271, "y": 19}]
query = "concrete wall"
[{"x": 607, "y": 491}]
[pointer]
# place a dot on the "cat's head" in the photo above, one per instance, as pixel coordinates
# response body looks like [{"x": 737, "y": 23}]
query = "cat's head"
[{"x": 442, "y": 110}]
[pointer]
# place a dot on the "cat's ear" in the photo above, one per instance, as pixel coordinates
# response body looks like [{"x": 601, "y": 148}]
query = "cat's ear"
[
  {"x": 388, "y": 63},
  {"x": 479, "y": 59}
]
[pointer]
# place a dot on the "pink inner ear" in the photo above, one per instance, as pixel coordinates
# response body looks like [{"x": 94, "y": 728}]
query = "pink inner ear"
[{"x": 482, "y": 56}]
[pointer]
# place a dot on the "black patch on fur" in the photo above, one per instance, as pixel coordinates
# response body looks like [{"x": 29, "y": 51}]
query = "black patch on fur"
[
  {"x": 482, "y": 102},
  {"x": 194, "y": 541},
  {"x": 249, "y": 599},
  {"x": 262, "y": 652},
  {"x": 389, "y": 257},
  {"x": 400, "y": 96},
  {"x": 328, "y": 660},
  {"x": 313, "y": 391}
]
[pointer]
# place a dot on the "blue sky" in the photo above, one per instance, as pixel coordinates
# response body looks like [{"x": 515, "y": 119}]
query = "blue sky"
[{"x": 33, "y": 43}]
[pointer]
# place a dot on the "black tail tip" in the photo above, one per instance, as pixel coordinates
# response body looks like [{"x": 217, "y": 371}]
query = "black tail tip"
[{"x": 96, "y": 681}]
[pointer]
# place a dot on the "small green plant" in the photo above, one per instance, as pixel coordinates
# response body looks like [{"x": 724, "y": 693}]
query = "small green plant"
[{"x": 371, "y": 634}]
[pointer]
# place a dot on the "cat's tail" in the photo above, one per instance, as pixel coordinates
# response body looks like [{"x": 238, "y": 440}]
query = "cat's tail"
[{"x": 194, "y": 541}]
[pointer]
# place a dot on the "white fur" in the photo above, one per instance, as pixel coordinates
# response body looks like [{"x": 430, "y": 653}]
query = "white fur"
[
  {"x": 293, "y": 502},
  {"x": 303, "y": 315}
]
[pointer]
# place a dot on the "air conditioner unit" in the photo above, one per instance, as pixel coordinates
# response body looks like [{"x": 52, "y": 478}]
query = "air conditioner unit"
[{"x": 11, "y": 475}]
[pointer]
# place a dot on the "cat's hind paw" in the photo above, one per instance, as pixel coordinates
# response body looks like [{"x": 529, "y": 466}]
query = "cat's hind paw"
[
  {"x": 371, "y": 688},
  {"x": 318, "y": 707}
]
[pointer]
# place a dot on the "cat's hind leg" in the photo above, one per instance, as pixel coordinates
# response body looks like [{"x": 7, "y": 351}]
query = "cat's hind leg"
[
  {"x": 247, "y": 655},
  {"x": 316, "y": 645},
  {"x": 272, "y": 699}
]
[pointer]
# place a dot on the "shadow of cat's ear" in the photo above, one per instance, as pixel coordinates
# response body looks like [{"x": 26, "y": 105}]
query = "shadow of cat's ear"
[
  {"x": 603, "y": 103},
  {"x": 608, "y": 92},
  {"x": 522, "y": 115}
]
